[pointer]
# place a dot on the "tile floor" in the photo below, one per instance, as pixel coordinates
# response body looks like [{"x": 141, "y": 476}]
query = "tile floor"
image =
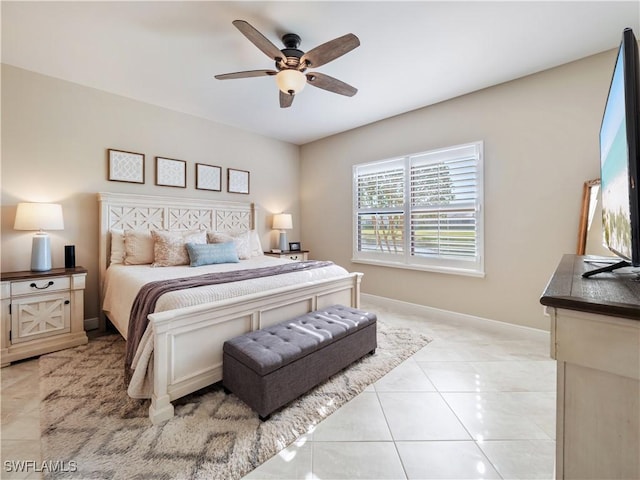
[{"x": 477, "y": 402}]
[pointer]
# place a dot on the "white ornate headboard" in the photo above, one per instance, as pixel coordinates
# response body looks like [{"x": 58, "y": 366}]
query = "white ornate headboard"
[{"x": 147, "y": 212}]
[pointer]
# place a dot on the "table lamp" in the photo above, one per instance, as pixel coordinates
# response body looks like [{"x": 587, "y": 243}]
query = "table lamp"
[
  {"x": 282, "y": 222},
  {"x": 39, "y": 216}
]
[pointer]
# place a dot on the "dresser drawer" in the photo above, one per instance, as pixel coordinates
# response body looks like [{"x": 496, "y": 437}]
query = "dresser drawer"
[{"x": 42, "y": 285}]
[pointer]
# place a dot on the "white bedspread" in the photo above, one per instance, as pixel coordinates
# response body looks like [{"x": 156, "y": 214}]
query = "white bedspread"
[{"x": 122, "y": 283}]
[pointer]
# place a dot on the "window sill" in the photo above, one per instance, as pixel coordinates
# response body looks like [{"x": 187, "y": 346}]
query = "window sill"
[{"x": 424, "y": 268}]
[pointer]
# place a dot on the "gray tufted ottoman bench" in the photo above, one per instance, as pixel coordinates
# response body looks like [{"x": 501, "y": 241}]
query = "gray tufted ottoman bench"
[{"x": 270, "y": 367}]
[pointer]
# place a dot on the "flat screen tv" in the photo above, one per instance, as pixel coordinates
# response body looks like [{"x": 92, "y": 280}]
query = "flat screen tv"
[{"x": 620, "y": 159}]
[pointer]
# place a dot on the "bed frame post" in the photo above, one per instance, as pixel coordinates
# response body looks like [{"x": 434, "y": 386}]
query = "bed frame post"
[
  {"x": 355, "y": 293},
  {"x": 161, "y": 408}
]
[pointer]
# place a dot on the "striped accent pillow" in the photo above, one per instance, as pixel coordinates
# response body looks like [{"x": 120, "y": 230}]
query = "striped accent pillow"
[{"x": 210, "y": 253}]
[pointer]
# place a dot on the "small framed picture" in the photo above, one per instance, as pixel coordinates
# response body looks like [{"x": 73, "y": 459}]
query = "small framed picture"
[
  {"x": 208, "y": 177},
  {"x": 294, "y": 246},
  {"x": 237, "y": 181},
  {"x": 126, "y": 166},
  {"x": 171, "y": 172}
]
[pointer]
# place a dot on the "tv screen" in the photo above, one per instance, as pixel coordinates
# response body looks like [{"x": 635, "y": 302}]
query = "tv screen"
[{"x": 620, "y": 157}]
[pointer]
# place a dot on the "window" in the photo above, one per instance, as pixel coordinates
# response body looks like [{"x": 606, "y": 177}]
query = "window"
[{"x": 422, "y": 211}]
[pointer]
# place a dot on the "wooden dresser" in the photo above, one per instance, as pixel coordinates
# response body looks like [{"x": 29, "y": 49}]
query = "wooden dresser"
[{"x": 595, "y": 338}]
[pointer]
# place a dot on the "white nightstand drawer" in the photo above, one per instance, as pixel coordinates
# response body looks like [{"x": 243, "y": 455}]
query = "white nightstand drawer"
[
  {"x": 295, "y": 255},
  {"x": 300, "y": 257},
  {"x": 41, "y": 285}
]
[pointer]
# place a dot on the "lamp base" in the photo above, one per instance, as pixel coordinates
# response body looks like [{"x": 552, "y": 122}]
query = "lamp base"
[
  {"x": 283, "y": 241},
  {"x": 41, "y": 253}
]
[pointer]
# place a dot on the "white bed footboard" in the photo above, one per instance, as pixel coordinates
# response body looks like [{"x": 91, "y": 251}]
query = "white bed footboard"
[{"x": 188, "y": 341}]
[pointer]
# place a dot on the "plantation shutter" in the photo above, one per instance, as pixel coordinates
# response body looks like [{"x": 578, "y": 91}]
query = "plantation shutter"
[
  {"x": 380, "y": 207},
  {"x": 444, "y": 192},
  {"x": 422, "y": 211}
]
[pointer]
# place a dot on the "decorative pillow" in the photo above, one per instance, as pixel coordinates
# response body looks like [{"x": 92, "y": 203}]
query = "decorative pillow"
[
  {"x": 117, "y": 247},
  {"x": 211, "y": 253},
  {"x": 216, "y": 237},
  {"x": 256, "y": 246},
  {"x": 169, "y": 248},
  {"x": 240, "y": 239},
  {"x": 138, "y": 247}
]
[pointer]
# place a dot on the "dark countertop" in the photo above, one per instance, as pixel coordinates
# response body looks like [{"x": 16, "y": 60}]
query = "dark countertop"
[{"x": 612, "y": 294}]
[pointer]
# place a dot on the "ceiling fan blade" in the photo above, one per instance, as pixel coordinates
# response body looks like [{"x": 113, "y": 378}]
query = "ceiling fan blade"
[
  {"x": 331, "y": 84},
  {"x": 259, "y": 40},
  {"x": 285, "y": 99},
  {"x": 330, "y": 51},
  {"x": 247, "y": 74}
]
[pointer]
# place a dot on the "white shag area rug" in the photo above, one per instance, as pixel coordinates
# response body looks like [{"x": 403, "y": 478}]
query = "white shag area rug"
[{"x": 95, "y": 431}]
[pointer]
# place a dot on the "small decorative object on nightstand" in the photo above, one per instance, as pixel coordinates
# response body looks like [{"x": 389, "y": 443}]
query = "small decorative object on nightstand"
[
  {"x": 298, "y": 255},
  {"x": 294, "y": 246},
  {"x": 41, "y": 312}
]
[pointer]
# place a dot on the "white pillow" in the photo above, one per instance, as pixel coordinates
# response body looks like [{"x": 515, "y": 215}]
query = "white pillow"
[
  {"x": 117, "y": 246},
  {"x": 138, "y": 247},
  {"x": 240, "y": 239},
  {"x": 170, "y": 248},
  {"x": 256, "y": 246}
]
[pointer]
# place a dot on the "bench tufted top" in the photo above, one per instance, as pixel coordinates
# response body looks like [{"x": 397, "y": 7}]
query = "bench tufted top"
[{"x": 270, "y": 348}]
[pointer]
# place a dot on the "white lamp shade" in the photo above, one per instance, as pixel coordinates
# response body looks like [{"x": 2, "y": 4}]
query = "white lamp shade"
[
  {"x": 39, "y": 216},
  {"x": 282, "y": 221},
  {"x": 291, "y": 80}
]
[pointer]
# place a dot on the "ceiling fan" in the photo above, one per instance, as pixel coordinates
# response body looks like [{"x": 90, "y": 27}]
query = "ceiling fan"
[{"x": 291, "y": 63}]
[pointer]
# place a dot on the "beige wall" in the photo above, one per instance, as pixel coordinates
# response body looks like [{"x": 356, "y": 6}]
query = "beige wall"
[
  {"x": 541, "y": 143},
  {"x": 54, "y": 140},
  {"x": 540, "y": 138}
]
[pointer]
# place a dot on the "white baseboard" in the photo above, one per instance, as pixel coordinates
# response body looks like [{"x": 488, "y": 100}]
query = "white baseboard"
[
  {"x": 91, "y": 323},
  {"x": 444, "y": 315}
]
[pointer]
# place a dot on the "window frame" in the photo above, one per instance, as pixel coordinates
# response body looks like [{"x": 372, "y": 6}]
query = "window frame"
[{"x": 470, "y": 267}]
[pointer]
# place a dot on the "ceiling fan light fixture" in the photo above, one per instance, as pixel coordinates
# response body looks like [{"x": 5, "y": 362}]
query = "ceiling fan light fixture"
[{"x": 291, "y": 81}]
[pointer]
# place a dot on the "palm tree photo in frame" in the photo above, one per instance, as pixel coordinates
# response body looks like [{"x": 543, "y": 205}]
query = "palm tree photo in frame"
[
  {"x": 237, "y": 181},
  {"x": 125, "y": 166},
  {"x": 208, "y": 177}
]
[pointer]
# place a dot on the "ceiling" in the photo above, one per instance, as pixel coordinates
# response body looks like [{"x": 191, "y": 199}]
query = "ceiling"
[{"x": 412, "y": 54}]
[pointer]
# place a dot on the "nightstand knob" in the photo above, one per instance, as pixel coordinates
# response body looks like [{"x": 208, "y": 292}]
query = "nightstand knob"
[
  {"x": 33, "y": 285},
  {"x": 67, "y": 302}
]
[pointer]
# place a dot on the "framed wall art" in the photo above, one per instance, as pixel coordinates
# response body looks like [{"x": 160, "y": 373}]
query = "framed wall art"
[
  {"x": 237, "y": 181},
  {"x": 171, "y": 172},
  {"x": 208, "y": 177},
  {"x": 125, "y": 166}
]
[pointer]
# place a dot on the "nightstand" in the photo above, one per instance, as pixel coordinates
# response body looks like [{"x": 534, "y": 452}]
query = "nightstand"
[
  {"x": 41, "y": 312},
  {"x": 299, "y": 255}
]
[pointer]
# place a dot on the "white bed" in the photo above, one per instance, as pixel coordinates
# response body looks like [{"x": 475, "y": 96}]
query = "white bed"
[{"x": 187, "y": 330}]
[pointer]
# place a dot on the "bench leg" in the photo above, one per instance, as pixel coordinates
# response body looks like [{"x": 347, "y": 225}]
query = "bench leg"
[{"x": 265, "y": 418}]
